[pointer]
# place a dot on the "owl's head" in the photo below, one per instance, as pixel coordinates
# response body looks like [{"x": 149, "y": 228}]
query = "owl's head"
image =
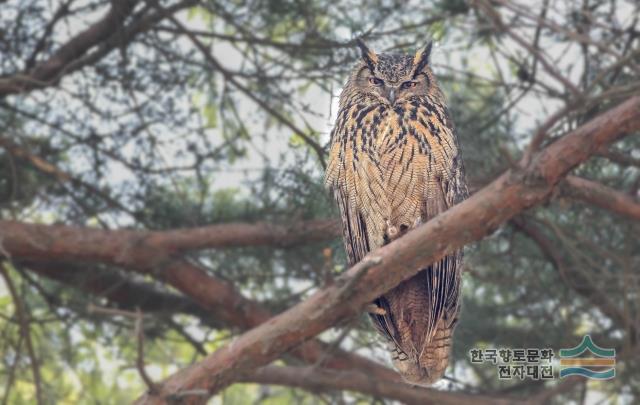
[{"x": 391, "y": 78}]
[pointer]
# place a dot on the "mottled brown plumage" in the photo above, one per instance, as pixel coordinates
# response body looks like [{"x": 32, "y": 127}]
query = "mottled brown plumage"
[{"x": 394, "y": 164}]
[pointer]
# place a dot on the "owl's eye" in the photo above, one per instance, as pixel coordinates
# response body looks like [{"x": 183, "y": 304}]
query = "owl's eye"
[
  {"x": 408, "y": 85},
  {"x": 375, "y": 81}
]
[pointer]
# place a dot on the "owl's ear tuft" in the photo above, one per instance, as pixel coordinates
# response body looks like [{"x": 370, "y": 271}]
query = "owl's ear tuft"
[
  {"x": 421, "y": 60},
  {"x": 368, "y": 55}
]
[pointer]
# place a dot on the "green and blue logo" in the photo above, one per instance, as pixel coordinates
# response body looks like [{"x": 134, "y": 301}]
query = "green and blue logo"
[{"x": 599, "y": 367}]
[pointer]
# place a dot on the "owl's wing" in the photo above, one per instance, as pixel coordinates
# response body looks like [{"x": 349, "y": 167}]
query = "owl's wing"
[
  {"x": 354, "y": 228},
  {"x": 455, "y": 189},
  {"x": 443, "y": 277},
  {"x": 354, "y": 178}
]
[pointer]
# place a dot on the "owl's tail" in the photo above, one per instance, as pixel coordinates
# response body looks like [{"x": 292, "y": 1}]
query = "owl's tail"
[
  {"x": 428, "y": 366},
  {"x": 418, "y": 317}
]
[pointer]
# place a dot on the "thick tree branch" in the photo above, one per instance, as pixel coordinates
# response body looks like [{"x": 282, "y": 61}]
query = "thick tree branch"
[
  {"x": 512, "y": 192},
  {"x": 152, "y": 253},
  {"x": 120, "y": 290},
  {"x": 68, "y": 243}
]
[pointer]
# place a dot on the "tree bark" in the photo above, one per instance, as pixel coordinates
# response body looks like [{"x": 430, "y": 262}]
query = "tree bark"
[{"x": 602, "y": 196}]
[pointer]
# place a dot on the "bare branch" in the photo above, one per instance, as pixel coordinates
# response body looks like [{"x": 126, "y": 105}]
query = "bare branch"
[
  {"x": 573, "y": 277},
  {"x": 602, "y": 196},
  {"x": 139, "y": 335},
  {"x": 320, "y": 152},
  {"x": 486, "y": 7},
  {"x": 25, "y": 332},
  {"x": 45, "y": 73},
  {"x": 106, "y": 34},
  {"x": 61, "y": 176}
]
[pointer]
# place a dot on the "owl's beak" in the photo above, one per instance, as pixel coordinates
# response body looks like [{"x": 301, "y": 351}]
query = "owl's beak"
[{"x": 390, "y": 93}]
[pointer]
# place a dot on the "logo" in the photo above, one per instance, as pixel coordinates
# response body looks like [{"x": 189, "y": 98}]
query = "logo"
[{"x": 599, "y": 367}]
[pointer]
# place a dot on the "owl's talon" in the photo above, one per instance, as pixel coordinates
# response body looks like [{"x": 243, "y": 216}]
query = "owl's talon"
[
  {"x": 374, "y": 309},
  {"x": 392, "y": 231}
]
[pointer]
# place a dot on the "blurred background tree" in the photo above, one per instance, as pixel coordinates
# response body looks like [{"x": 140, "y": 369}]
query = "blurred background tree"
[{"x": 158, "y": 115}]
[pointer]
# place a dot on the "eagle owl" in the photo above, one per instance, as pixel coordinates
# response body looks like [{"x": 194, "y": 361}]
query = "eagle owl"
[{"x": 394, "y": 164}]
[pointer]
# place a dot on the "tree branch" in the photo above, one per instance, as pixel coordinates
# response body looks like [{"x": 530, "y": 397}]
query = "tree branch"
[
  {"x": 318, "y": 149},
  {"x": 106, "y": 34},
  {"x": 61, "y": 176},
  {"x": 25, "y": 332},
  {"x": 602, "y": 196},
  {"x": 574, "y": 277},
  {"x": 120, "y": 290},
  {"x": 619, "y": 158},
  {"x": 318, "y": 380},
  {"x": 139, "y": 336},
  {"x": 68, "y": 243},
  {"x": 48, "y": 71}
]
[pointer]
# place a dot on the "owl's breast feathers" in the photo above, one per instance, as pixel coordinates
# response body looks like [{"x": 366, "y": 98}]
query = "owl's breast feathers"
[
  {"x": 392, "y": 169},
  {"x": 394, "y": 166}
]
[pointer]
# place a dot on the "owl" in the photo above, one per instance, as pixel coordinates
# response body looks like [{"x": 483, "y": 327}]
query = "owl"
[{"x": 394, "y": 163}]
